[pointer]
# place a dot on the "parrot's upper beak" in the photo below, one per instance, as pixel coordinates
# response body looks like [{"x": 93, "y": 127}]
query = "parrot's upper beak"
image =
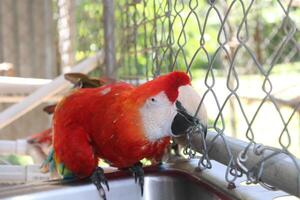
[{"x": 182, "y": 121}]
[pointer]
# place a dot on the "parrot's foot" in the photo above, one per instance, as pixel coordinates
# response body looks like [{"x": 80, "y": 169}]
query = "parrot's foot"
[
  {"x": 138, "y": 173},
  {"x": 99, "y": 179}
]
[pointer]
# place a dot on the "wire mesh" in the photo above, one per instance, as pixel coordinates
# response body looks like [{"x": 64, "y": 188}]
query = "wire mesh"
[
  {"x": 239, "y": 52},
  {"x": 243, "y": 55}
]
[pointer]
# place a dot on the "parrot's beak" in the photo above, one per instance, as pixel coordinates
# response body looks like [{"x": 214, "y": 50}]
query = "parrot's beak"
[{"x": 182, "y": 121}]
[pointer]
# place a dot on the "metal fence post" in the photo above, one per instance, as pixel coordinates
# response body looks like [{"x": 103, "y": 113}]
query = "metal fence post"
[{"x": 109, "y": 38}]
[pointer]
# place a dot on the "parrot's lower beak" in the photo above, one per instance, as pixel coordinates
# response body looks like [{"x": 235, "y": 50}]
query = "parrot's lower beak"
[{"x": 182, "y": 121}]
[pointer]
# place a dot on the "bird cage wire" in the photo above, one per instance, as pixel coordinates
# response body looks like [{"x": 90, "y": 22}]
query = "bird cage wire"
[
  {"x": 226, "y": 41},
  {"x": 233, "y": 50}
]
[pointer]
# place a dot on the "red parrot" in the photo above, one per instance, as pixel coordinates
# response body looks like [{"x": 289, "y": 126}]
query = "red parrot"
[
  {"x": 119, "y": 123},
  {"x": 43, "y": 140}
]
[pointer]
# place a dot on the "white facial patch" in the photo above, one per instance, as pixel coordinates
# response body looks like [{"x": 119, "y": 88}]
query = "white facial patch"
[{"x": 157, "y": 115}]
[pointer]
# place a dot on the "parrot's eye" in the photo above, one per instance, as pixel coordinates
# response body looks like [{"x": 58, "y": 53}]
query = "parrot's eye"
[
  {"x": 158, "y": 100},
  {"x": 153, "y": 101}
]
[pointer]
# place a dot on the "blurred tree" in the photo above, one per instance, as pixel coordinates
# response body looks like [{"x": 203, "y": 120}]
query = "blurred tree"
[{"x": 89, "y": 28}]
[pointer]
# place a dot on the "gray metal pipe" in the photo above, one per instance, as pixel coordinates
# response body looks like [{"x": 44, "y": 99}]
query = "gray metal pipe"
[
  {"x": 279, "y": 171},
  {"x": 109, "y": 38}
]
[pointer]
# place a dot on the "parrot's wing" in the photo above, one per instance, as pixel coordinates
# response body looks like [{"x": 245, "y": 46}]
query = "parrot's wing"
[
  {"x": 49, "y": 109},
  {"x": 75, "y": 77},
  {"x": 82, "y": 81}
]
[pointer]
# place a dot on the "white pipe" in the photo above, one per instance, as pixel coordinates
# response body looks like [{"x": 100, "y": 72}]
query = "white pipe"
[
  {"x": 18, "y": 85},
  {"x": 13, "y": 146},
  {"x": 279, "y": 171},
  {"x": 21, "y": 174}
]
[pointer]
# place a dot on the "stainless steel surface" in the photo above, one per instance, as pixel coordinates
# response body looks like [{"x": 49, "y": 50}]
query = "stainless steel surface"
[
  {"x": 280, "y": 172},
  {"x": 156, "y": 187},
  {"x": 173, "y": 181},
  {"x": 159, "y": 185}
]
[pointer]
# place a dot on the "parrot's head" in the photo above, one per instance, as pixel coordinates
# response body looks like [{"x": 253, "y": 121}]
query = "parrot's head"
[{"x": 161, "y": 112}]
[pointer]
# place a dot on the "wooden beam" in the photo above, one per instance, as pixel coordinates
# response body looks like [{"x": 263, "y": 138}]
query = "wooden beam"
[
  {"x": 17, "y": 110},
  {"x": 20, "y": 86}
]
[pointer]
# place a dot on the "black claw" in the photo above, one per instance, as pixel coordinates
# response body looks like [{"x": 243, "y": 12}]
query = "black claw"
[
  {"x": 106, "y": 184},
  {"x": 142, "y": 186},
  {"x": 138, "y": 174},
  {"x": 99, "y": 179}
]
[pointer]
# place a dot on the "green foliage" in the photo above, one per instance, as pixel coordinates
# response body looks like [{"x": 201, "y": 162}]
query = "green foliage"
[
  {"x": 145, "y": 44},
  {"x": 16, "y": 159},
  {"x": 89, "y": 28}
]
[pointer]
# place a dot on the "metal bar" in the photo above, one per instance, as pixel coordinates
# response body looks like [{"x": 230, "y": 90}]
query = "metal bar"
[
  {"x": 128, "y": 40},
  {"x": 143, "y": 22},
  {"x": 146, "y": 53},
  {"x": 175, "y": 180},
  {"x": 17, "y": 110},
  {"x": 109, "y": 38},
  {"x": 280, "y": 171}
]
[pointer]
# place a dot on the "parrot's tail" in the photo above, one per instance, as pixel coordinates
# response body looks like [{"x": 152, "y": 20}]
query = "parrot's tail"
[
  {"x": 52, "y": 165},
  {"x": 44, "y": 137}
]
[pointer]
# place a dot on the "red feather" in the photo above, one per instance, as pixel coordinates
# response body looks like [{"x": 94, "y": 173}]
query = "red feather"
[{"x": 105, "y": 123}]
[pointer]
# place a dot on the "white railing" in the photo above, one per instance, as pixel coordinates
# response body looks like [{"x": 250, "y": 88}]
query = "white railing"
[
  {"x": 275, "y": 168},
  {"x": 18, "y": 85},
  {"x": 47, "y": 91}
]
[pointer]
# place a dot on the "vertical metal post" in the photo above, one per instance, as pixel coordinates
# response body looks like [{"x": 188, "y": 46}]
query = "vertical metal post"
[{"x": 109, "y": 38}]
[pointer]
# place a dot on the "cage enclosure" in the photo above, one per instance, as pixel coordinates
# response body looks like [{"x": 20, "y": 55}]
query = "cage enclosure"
[{"x": 243, "y": 57}]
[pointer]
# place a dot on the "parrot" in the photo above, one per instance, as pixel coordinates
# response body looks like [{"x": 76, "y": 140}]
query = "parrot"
[
  {"x": 118, "y": 123},
  {"x": 188, "y": 96}
]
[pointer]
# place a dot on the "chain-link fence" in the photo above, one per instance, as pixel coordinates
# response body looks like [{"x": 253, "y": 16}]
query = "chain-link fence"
[{"x": 244, "y": 58}]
